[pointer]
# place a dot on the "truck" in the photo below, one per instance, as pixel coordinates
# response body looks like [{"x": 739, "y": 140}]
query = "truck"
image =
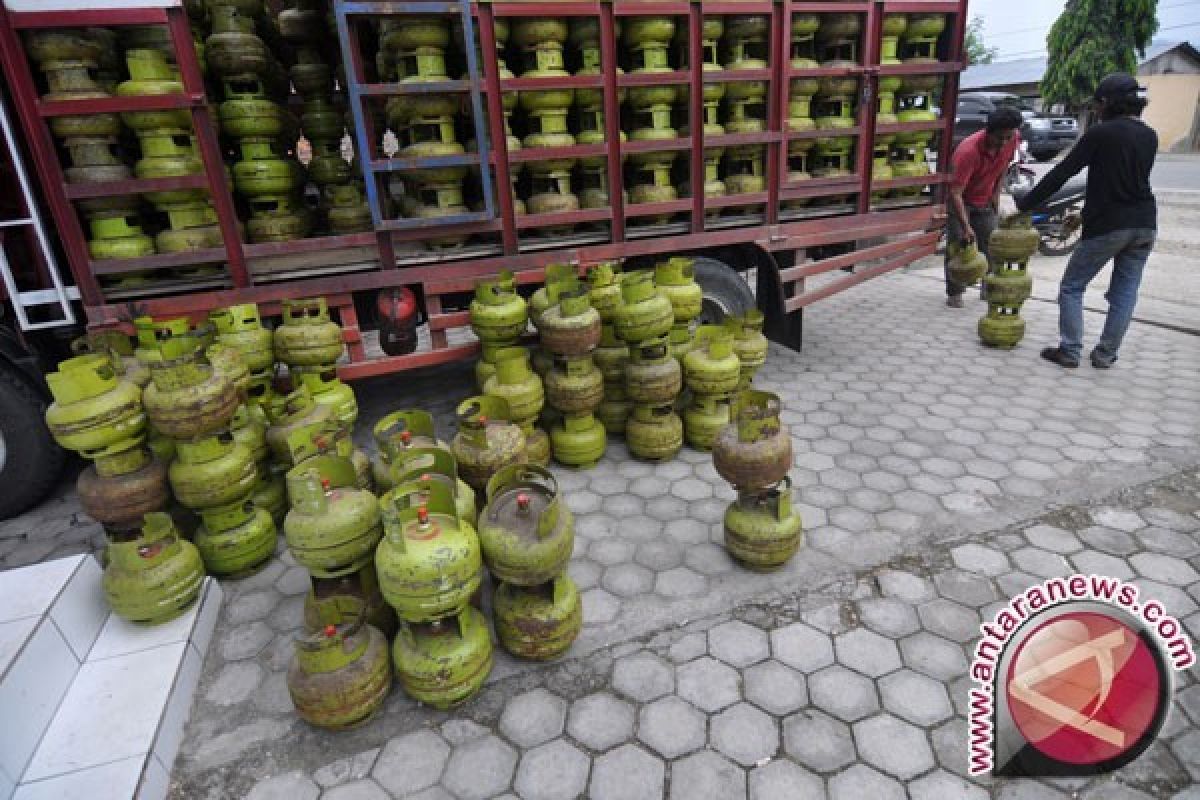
[{"x": 790, "y": 156}]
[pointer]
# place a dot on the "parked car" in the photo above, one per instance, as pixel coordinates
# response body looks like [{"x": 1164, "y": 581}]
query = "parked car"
[{"x": 1046, "y": 134}]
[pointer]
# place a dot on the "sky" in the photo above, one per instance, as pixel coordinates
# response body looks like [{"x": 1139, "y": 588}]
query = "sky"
[{"x": 1019, "y": 27}]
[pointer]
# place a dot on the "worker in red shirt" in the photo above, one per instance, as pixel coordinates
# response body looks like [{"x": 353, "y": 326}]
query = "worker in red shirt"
[{"x": 979, "y": 163}]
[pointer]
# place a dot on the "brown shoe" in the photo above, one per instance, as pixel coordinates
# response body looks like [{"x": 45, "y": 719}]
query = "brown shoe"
[{"x": 954, "y": 301}]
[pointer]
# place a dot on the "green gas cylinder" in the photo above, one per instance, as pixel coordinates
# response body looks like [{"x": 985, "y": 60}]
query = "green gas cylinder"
[
  {"x": 429, "y": 560},
  {"x": 498, "y": 313},
  {"x": 1001, "y": 327},
  {"x": 966, "y": 266},
  {"x": 436, "y": 464},
  {"x": 445, "y": 662},
  {"x": 94, "y": 411},
  {"x": 755, "y": 450},
  {"x": 611, "y": 355},
  {"x": 654, "y": 433},
  {"x": 117, "y": 234},
  {"x": 486, "y": 440},
  {"x": 711, "y": 366},
  {"x": 645, "y": 312},
  {"x": 652, "y": 376},
  {"x": 397, "y": 433},
  {"x": 186, "y": 397},
  {"x": 307, "y": 337},
  {"x": 704, "y": 418},
  {"x": 604, "y": 288},
  {"x": 295, "y": 412},
  {"x": 152, "y": 575},
  {"x": 1008, "y": 287},
  {"x": 327, "y": 389},
  {"x": 526, "y": 530},
  {"x": 578, "y": 440},
  {"x": 239, "y": 326},
  {"x": 571, "y": 327},
  {"x": 333, "y": 526},
  {"x": 675, "y": 278},
  {"x": 228, "y": 362},
  {"x": 119, "y": 490},
  {"x": 211, "y": 471},
  {"x": 559, "y": 278},
  {"x": 343, "y": 599},
  {"x": 762, "y": 528},
  {"x": 516, "y": 384},
  {"x": 573, "y": 384},
  {"x": 749, "y": 343},
  {"x": 538, "y": 623},
  {"x": 614, "y": 409},
  {"x": 270, "y": 493},
  {"x": 235, "y": 539},
  {"x": 341, "y": 673}
]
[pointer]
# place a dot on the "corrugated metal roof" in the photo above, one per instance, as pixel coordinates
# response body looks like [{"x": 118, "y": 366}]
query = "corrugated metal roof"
[
  {"x": 1030, "y": 70},
  {"x": 1004, "y": 73}
]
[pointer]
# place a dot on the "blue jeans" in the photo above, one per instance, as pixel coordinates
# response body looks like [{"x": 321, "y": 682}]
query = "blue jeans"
[{"x": 1128, "y": 250}]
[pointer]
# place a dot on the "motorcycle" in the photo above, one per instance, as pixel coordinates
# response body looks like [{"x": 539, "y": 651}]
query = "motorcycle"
[
  {"x": 1018, "y": 178},
  {"x": 1059, "y": 220}
]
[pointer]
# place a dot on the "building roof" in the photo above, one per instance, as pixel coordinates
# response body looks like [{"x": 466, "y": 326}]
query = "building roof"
[{"x": 1030, "y": 70}]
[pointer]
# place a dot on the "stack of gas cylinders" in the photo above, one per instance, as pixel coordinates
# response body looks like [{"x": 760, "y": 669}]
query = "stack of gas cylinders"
[
  {"x": 1009, "y": 283},
  {"x": 754, "y": 454}
]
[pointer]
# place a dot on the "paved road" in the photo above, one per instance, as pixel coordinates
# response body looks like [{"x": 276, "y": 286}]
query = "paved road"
[{"x": 1171, "y": 172}]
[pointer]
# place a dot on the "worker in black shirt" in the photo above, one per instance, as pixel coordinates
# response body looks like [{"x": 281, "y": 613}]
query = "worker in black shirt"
[{"x": 1119, "y": 218}]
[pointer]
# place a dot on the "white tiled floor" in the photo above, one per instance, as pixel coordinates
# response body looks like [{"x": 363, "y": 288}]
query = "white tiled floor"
[{"x": 92, "y": 706}]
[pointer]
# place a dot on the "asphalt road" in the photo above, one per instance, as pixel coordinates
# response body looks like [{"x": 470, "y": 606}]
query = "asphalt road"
[{"x": 1171, "y": 172}]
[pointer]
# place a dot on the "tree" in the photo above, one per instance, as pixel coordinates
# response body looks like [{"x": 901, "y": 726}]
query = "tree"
[
  {"x": 1090, "y": 39},
  {"x": 977, "y": 52}
]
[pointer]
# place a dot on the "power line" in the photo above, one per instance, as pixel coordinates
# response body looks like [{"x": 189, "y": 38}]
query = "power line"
[{"x": 1036, "y": 28}]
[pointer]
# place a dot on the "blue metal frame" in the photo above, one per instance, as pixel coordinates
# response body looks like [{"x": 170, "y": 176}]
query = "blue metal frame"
[{"x": 358, "y": 91}]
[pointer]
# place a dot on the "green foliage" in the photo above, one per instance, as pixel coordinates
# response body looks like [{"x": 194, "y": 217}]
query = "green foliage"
[
  {"x": 1092, "y": 38},
  {"x": 977, "y": 52}
]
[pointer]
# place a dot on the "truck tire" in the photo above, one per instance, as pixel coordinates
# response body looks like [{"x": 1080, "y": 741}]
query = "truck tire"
[
  {"x": 30, "y": 461},
  {"x": 725, "y": 291}
]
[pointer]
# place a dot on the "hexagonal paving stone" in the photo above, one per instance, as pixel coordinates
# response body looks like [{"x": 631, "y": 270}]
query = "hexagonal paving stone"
[
  {"x": 357, "y": 790},
  {"x": 860, "y": 782},
  {"x": 915, "y": 697},
  {"x": 600, "y": 721},
  {"x": 627, "y": 773},
  {"x": 707, "y": 684},
  {"x": 691, "y": 489},
  {"x": 533, "y": 717},
  {"x": 643, "y": 677},
  {"x": 680, "y": 582},
  {"x": 671, "y": 727},
  {"x": 745, "y": 734},
  {"x": 707, "y": 776},
  {"x": 818, "y": 741},
  {"x": 867, "y": 652},
  {"x": 411, "y": 762},
  {"x": 775, "y": 688},
  {"x": 611, "y": 551},
  {"x": 688, "y": 531},
  {"x": 289, "y": 786},
  {"x": 782, "y": 779},
  {"x": 1166, "y": 569},
  {"x": 480, "y": 768},
  {"x": 245, "y": 641},
  {"x": 738, "y": 644},
  {"x": 845, "y": 694},
  {"x": 964, "y": 587},
  {"x": 888, "y": 616},
  {"x": 599, "y": 607},
  {"x": 659, "y": 554},
  {"x": 802, "y": 646},
  {"x": 1090, "y": 562},
  {"x": 1056, "y": 540},
  {"x": 941, "y": 785},
  {"x": 709, "y": 559},
  {"x": 934, "y": 656},
  {"x": 980, "y": 559},
  {"x": 554, "y": 771},
  {"x": 628, "y": 580},
  {"x": 950, "y": 620},
  {"x": 894, "y": 746}
]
